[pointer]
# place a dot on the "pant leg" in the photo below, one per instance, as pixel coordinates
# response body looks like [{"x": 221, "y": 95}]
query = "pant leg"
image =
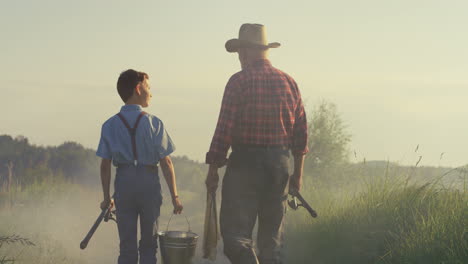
[
  {"x": 239, "y": 209},
  {"x": 273, "y": 206},
  {"x": 149, "y": 205},
  {"x": 127, "y": 215}
]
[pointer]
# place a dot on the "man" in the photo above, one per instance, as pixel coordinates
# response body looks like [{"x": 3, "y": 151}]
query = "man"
[
  {"x": 262, "y": 118},
  {"x": 135, "y": 142}
]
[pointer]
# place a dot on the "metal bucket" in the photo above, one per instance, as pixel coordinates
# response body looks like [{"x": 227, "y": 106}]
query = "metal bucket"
[{"x": 177, "y": 247}]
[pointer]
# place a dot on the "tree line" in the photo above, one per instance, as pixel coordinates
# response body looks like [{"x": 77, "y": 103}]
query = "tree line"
[{"x": 22, "y": 163}]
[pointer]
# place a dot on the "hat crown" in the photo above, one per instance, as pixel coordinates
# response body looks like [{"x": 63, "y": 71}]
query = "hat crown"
[
  {"x": 254, "y": 33},
  {"x": 250, "y": 36}
]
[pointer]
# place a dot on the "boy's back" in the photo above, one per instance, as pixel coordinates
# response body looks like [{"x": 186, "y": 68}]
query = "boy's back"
[{"x": 152, "y": 140}]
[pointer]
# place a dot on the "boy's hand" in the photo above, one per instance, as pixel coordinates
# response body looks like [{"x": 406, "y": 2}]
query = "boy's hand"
[
  {"x": 106, "y": 203},
  {"x": 177, "y": 205}
]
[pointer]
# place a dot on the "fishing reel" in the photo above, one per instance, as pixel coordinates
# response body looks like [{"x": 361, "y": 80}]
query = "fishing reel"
[
  {"x": 294, "y": 204},
  {"x": 110, "y": 215}
]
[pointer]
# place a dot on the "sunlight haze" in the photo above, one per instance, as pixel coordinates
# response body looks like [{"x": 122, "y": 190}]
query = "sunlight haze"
[{"x": 397, "y": 70}]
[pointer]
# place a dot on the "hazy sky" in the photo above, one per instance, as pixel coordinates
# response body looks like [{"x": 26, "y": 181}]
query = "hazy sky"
[{"x": 397, "y": 70}]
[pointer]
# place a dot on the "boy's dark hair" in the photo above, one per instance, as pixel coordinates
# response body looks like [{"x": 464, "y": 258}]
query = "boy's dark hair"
[{"x": 127, "y": 82}]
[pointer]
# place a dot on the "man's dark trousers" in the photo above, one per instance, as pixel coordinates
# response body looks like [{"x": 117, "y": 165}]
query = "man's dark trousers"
[
  {"x": 255, "y": 184},
  {"x": 137, "y": 194}
]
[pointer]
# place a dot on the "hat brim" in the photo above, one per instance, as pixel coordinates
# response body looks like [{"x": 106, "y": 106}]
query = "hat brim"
[{"x": 233, "y": 45}]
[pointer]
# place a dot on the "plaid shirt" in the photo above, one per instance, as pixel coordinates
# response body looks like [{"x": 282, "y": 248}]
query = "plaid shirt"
[{"x": 261, "y": 106}]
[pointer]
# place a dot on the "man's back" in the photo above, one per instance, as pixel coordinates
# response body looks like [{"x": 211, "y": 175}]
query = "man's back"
[
  {"x": 268, "y": 100},
  {"x": 262, "y": 106}
]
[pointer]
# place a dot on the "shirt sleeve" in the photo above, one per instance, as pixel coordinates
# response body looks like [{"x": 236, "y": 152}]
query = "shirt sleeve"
[
  {"x": 300, "y": 135},
  {"x": 104, "y": 150},
  {"x": 162, "y": 141},
  {"x": 222, "y": 138}
]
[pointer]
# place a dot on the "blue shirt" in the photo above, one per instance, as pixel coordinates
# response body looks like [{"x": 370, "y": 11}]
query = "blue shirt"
[{"x": 152, "y": 140}]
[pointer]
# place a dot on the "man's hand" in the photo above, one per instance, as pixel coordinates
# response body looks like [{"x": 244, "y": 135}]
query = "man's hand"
[
  {"x": 295, "y": 184},
  {"x": 295, "y": 181},
  {"x": 212, "y": 179},
  {"x": 106, "y": 203},
  {"x": 177, "y": 205}
]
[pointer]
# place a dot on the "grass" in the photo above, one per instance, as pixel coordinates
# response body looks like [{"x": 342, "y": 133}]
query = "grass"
[
  {"x": 383, "y": 219},
  {"x": 12, "y": 239},
  {"x": 56, "y": 216},
  {"x": 40, "y": 215},
  {"x": 390, "y": 221}
]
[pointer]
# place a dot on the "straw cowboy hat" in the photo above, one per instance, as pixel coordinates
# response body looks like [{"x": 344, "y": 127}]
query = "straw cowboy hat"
[{"x": 250, "y": 36}]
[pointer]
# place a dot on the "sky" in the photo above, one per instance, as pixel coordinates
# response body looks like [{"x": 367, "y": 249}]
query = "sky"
[{"x": 397, "y": 70}]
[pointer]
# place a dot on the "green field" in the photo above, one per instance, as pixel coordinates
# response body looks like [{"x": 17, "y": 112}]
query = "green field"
[
  {"x": 388, "y": 222},
  {"x": 383, "y": 218}
]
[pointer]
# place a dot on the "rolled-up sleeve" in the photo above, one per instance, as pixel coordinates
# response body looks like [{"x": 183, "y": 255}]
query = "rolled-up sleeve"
[
  {"x": 104, "y": 150},
  {"x": 300, "y": 135},
  {"x": 222, "y": 138},
  {"x": 162, "y": 141}
]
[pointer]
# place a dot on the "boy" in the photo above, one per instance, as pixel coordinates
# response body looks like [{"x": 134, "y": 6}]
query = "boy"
[{"x": 135, "y": 141}]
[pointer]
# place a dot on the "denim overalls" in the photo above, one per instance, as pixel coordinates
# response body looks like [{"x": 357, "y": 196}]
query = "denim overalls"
[
  {"x": 137, "y": 185},
  {"x": 137, "y": 193}
]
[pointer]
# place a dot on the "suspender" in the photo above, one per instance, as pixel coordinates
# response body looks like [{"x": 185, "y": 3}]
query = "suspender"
[{"x": 132, "y": 132}]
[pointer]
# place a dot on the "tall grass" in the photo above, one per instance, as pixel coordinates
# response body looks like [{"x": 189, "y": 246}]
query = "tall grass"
[
  {"x": 56, "y": 216},
  {"x": 43, "y": 212},
  {"x": 390, "y": 221},
  {"x": 382, "y": 219},
  {"x": 12, "y": 239}
]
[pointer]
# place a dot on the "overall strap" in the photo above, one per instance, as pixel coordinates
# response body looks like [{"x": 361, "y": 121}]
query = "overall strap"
[{"x": 132, "y": 132}]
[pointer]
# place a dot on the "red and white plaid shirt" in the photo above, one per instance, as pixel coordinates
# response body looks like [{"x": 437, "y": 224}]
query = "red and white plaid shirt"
[{"x": 261, "y": 106}]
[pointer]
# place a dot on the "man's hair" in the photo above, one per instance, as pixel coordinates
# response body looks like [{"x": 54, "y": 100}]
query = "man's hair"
[{"x": 127, "y": 82}]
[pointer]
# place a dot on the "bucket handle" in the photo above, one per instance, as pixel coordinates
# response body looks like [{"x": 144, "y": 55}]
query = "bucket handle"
[{"x": 167, "y": 227}]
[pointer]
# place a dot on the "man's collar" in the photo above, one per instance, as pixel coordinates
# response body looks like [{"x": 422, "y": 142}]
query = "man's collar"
[
  {"x": 259, "y": 63},
  {"x": 131, "y": 107}
]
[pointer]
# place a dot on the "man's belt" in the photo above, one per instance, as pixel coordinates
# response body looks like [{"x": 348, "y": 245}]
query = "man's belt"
[{"x": 240, "y": 147}]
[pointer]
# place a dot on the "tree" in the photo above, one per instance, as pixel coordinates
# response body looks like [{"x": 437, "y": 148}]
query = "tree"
[
  {"x": 10, "y": 165},
  {"x": 328, "y": 138},
  {"x": 74, "y": 162}
]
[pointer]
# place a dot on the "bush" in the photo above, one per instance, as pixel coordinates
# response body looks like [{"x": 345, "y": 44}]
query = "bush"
[{"x": 328, "y": 139}]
